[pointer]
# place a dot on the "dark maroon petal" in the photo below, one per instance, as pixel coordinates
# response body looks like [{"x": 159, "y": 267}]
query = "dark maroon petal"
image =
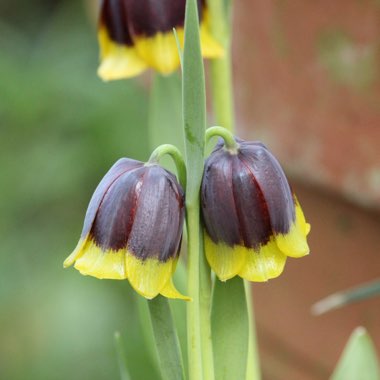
[
  {"x": 114, "y": 17},
  {"x": 217, "y": 195},
  {"x": 246, "y": 197},
  {"x": 117, "y": 210},
  {"x": 158, "y": 222},
  {"x": 272, "y": 181},
  {"x": 121, "y": 166},
  {"x": 254, "y": 222},
  {"x": 147, "y": 17}
]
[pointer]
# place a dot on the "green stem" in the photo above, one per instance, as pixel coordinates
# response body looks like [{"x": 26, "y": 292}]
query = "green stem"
[
  {"x": 193, "y": 309},
  {"x": 253, "y": 364},
  {"x": 205, "y": 314},
  {"x": 221, "y": 67},
  {"x": 175, "y": 154},
  {"x": 227, "y": 136}
]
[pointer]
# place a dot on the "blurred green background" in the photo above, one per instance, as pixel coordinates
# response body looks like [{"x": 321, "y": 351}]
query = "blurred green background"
[{"x": 61, "y": 129}]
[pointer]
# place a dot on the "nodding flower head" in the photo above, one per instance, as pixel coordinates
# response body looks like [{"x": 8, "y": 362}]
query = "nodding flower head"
[
  {"x": 252, "y": 219},
  {"x": 137, "y": 34},
  {"x": 133, "y": 229}
]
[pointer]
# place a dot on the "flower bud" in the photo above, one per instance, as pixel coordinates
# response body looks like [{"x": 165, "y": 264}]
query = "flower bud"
[
  {"x": 137, "y": 34},
  {"x": 252, "y": 220},
  {"x": 133, "y": 229}
]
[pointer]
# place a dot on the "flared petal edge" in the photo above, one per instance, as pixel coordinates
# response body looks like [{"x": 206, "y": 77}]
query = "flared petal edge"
[
  {"x": 224, "y": 260},
  {"x": 264, "y": 264},
  {"x": 294, "y": 243},
  {"x": 118, "y": 61},
  {"x": 257, "y": 265},
  {"x": 151, "y": 277},
  {"x": 148, "y": 277},
  {"x": 160, "y": 51}
]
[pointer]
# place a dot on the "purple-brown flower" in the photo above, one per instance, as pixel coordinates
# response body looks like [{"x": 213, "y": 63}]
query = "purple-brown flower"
[
  {"x": 252, "y": 219},
  {"x": 137, "y": 34},
  {"x": 133, "y": 228}
]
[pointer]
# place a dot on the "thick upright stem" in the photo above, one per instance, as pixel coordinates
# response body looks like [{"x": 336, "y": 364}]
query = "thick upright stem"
[
  {"x": 205, "y": 314},
  {"x": 193, "y": 309},
  {"x": 221, "y": 67},
  {"x": 253, "y": 363}
]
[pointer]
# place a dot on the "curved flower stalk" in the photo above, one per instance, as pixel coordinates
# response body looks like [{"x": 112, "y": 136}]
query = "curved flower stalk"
[
  {"x": 137, "y": 34},
  {"x": 252, "y": 219},
  {"x": 133, "y": 229}
]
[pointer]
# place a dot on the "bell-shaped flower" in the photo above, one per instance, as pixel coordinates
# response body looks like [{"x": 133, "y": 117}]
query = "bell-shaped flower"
[
  {"x": 137, "y": 34},
  {"x": 133, "y": 229},
  {"x": 252, "y": 219}
]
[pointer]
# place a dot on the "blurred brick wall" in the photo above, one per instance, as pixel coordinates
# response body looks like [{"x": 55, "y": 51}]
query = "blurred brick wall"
[{"x": 307, "y": 82}]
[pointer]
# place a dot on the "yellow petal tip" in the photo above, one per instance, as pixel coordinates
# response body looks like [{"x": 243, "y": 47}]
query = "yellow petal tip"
[
  {"x": 151, "y": 277},
  {"x": 263, "y": 264},
  {"x": 170, "y": 291},
  {"x": 224, "y": 260},
  {"x": 160, "y": 51},
  {"x": 117, "y": 61},
  {"x": 294, "y": 243},
  {"x": 101, "y": 264}
]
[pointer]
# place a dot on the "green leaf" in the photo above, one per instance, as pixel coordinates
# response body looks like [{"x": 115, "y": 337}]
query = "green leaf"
[
  {"x": 194, "y": 102},
  {"x": 147, "y": 330},
  {"x": 121, "y": 357},
  {"x": 178, "y": 308},
  {"x": 229, "y": 326},
  {"x": 358, "y": 360},
  {"x": 167, "y": 343}
]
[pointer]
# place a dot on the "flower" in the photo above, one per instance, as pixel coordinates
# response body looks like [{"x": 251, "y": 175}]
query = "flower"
[
  {"x": 137, "y": 34},
  {"x": 133, "y": 229},
  {"x": 252, "y": 220}
]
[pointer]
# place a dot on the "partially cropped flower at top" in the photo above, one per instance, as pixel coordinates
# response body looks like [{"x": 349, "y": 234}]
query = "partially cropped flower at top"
[
  {"x": 137, "y": 34},
  {"x": 252, "y": 219},
  {"x": 133, "y": 229}
]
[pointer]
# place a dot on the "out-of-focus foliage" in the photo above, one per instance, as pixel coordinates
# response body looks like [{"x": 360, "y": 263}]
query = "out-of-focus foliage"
[
  {"x": 61, "y": 128},
  {"x": 359, "y": 359}
]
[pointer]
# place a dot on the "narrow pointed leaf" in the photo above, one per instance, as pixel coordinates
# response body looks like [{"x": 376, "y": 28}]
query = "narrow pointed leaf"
[
  {"x": 194, "y": 101},
  {"x": 358, "y": 360},
  {"x": 340, "y": 299},
  {"x": 229, "y": 326},
  {"x": 253, "y": 363},
  {"x": 166, "y": 339}
]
